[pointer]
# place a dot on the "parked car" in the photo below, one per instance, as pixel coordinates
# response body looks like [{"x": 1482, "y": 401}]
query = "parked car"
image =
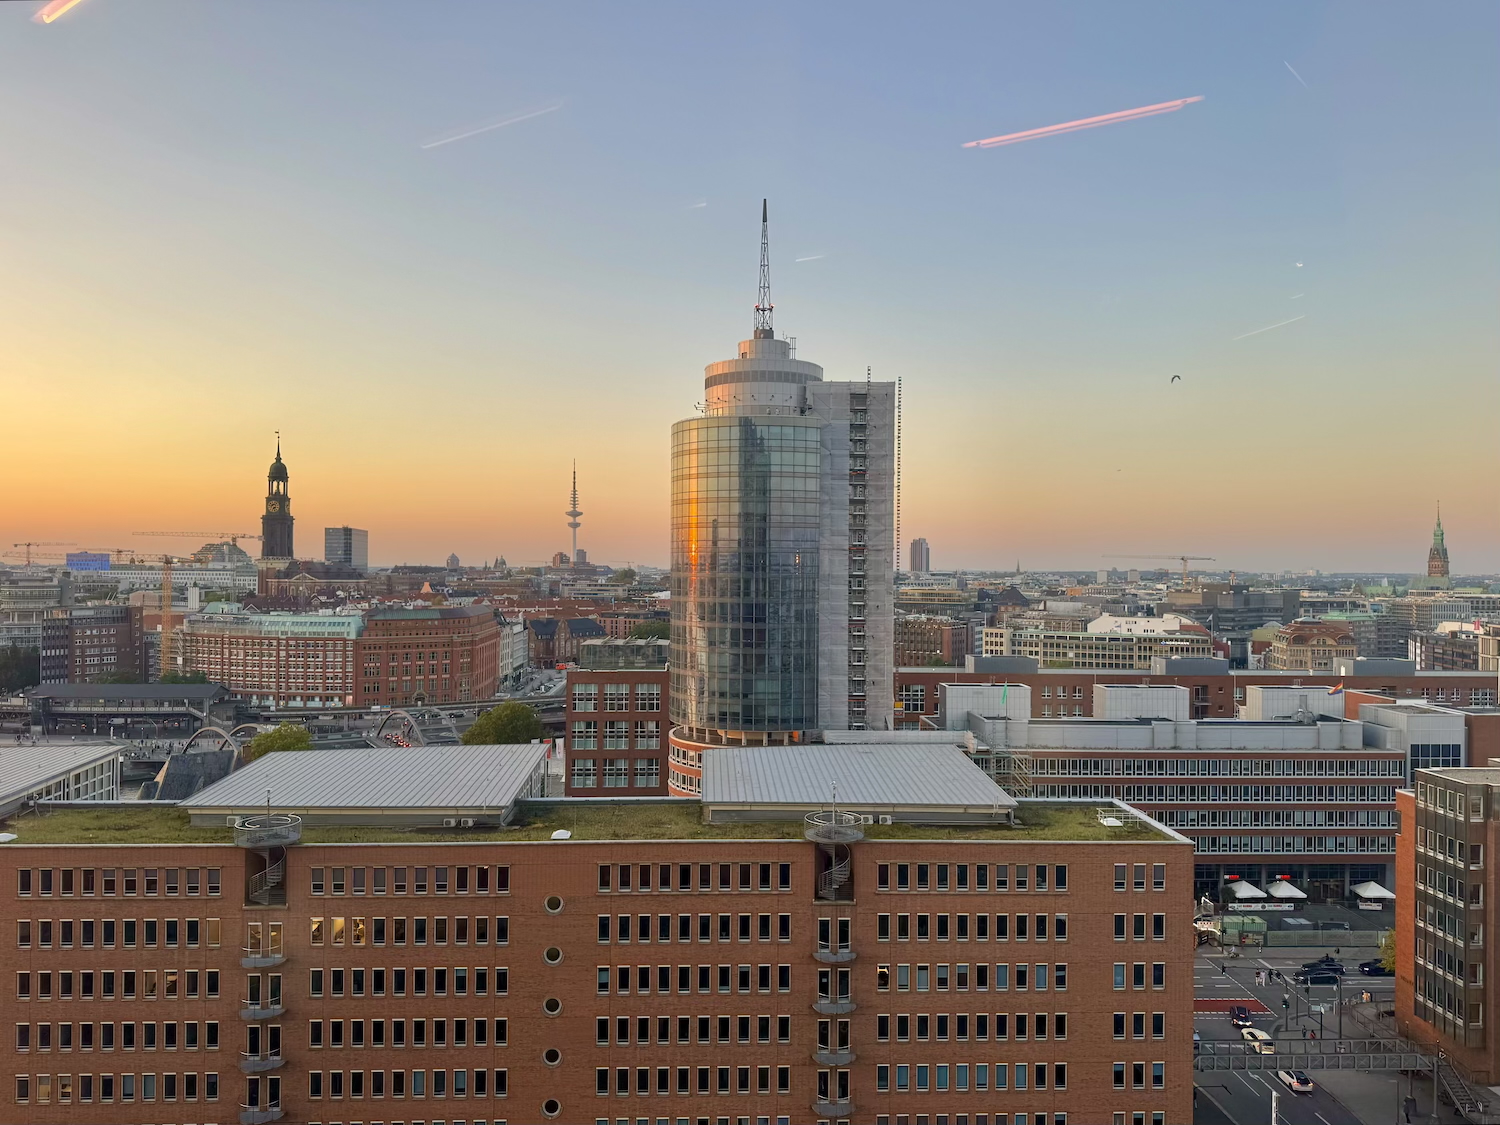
[
  {"x": 1375, "y": 969},
  {"x": 1316, "y": 977},
  {"x": 1239, "y": 1015},
  {"x": 1296, "y": 1081},
  {"x": 1258, "y": 1040}
]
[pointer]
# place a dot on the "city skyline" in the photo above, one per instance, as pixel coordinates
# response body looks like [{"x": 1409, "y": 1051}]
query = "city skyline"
[{"x": 336, "y": 247}]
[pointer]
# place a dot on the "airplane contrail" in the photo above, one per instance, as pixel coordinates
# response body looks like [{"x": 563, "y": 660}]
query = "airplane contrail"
[
  {"x": 810, "y": 258},
  {"x": 695, "y": 206},
  {"x": 1268, "y": 327},
  {"x": 502, "y": 123},
  {"x": 53, "y": 9},
  {"x": 1295, "y": 75},
  {"x": 1084, "y": 123}
]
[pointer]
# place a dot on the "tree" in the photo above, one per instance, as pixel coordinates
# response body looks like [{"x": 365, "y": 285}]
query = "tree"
[
  {"x": 1388, "y": 950},
  {"x": 652, "y": 631},
  {"x": 286, "y": 736},
  {"x": 511, "y": 722},
  {"x": 624, "y": 577},
  {"x": 185, "y": 678},
  {"x": 20, "y": 668},
  {"x": 937, "y": 662}
]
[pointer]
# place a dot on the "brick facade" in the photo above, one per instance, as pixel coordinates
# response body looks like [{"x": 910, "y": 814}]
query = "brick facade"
[
  {"x": 410, "y": 656},
  {"x": 581, "y": 982},
  {"x": 617, "y": 732}
]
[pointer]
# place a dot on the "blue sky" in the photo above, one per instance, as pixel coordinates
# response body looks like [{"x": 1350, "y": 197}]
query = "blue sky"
[{"x": 222, "y": 222}]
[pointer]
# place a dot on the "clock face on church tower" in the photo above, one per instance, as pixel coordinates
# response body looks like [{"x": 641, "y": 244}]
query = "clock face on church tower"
[{"x": 273, "y": 505}]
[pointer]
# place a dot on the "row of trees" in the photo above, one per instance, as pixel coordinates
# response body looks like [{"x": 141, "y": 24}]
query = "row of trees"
[{"x": 20, "y": 668}]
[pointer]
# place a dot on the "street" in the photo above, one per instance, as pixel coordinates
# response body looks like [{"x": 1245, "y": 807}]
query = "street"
[{"x": 1244, "y": 1097}]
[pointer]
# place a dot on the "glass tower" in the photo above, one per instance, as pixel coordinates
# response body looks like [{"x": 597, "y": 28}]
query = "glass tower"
[{"x": 782, "y": 576}]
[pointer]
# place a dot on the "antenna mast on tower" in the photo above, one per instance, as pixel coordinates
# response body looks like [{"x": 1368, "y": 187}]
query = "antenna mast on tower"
[
  {"x": 763, "y": 306},
  {"x": 573, "y": 513}
]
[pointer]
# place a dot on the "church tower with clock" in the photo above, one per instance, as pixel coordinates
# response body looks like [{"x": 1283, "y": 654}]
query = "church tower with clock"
[{"x": 276, "y": 524}]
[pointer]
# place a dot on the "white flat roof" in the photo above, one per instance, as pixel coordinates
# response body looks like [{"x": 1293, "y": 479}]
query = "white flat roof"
[
  {"x": 456, "y": 778},
  {"x": 27, "y": 768},
  {"x": 864, "y": 775}
]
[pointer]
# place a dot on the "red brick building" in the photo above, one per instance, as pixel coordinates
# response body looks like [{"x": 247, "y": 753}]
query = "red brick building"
[
  {"x": 1446, "y": 914},
  {"x": 81, "y": 644},
  {"x": 449, "y": 654},
  {"x": 617, "y": 731},
  {"x": 703, "y": 979}
]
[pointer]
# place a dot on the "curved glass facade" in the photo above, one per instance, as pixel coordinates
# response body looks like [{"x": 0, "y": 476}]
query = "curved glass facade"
[{"x": 745, "y": 524}]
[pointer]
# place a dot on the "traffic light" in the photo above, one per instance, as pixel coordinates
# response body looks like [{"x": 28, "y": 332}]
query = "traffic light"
[{"x": 1285, "y": 1003}]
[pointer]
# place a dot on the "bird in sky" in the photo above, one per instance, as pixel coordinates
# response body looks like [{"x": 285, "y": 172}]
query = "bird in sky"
[{"x": 1175, "y": 379}]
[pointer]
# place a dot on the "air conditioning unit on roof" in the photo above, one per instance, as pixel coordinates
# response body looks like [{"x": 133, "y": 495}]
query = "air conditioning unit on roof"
[
  {"x": 450, "y": 822},
  {"x": 866, "y": 818},
  {"x": 466, "y": 822},
  {"x": 885, "y": 818}
]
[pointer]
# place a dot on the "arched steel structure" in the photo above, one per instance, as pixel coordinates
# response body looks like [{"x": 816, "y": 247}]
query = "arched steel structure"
[{"x": 416, "y": 731}]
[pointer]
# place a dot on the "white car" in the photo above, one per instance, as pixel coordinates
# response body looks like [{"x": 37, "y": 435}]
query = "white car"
[
  {"x": 1258, "y": 1040},
  {"x": 1295, "y": 1081}
]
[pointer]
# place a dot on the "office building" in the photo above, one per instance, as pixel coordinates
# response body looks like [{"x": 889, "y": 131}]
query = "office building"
[
  {"x": 1449, "y": 911},
  {"x": 1126, "y": 647},
  {"x": 758, "y": 955},
  {"x": 617, "y": 704},
  {"x": 447, "y": 654},
  {"x": 347, "y": 546},
  {"x": 82, "y": 644},
  {"x": 276, "y": 522},
  {"x": 27, "y": 600},
  {"x": 87, "y": 560},
  {"x": 782, "y": 540},
  {"x": 1310, "y": 798},
  {"x": 274, "y": 659},
  {"x": 1310, "y": 646},
  {"x": 1217, "y": 690},
  {"x": 921, "y": 557},
  {"x": 923, "y": 639}
]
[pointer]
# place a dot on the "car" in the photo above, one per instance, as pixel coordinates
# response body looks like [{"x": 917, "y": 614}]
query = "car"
[
  {"x": 1258, "y": 1041},
  {"x": 1320, "y": 977},
  {"x": 1239, "y": 1015},
  {"x": 1295, "y": 1080},
  {"x": 1375, "y": 969},
  {"x": 1332, "y": 964}
]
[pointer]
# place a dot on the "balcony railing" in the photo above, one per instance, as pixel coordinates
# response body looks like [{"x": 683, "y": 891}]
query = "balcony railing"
[
  {"x": 257, "y": 958},
  {"x": 259, "y": 1114},
  {"x": 834, "y": 1109},
  {"x": 834, "y": 956},
  {"x": 262, "y": 1010},
  {"x": 267, "y": 830},
  {"x": 256, "y": 1064},
  {"x": 830, "y": 1056},
  {"x": 833, "y": 826}
]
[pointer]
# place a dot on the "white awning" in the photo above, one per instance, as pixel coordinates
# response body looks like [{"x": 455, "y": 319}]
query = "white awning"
[
  {"x": 1371, "y": 889},
  {"x": 1283, "y": 889},
  {"x": 1240, "y": 889}
]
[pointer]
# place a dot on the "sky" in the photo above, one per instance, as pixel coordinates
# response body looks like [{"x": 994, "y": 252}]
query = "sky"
[{"x": 224, "y": 219}]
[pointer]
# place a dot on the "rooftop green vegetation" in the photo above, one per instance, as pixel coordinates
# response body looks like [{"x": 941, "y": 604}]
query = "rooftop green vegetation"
[{"x": 675, "y": 821}]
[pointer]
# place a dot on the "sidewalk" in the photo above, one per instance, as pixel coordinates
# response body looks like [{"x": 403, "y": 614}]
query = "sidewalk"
[{"x": 1375, "y": 1100}]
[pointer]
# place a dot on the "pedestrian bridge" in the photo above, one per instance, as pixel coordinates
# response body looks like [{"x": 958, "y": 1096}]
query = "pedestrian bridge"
[{"x": 1312, "y": 1054}]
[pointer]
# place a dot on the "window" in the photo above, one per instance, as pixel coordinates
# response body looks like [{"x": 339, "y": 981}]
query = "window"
[
  {"x": 585, "y": 697},
  {"x": 648, "y": 734},
  {"x": 648, "y": 697},
  {"x": 617, "y": 697},
  {"x": 616, "y": 773},
  {"x": 585, "y": 775},
  {"x": 1120, "y": 876},
  {"x": 647, "y": 772},
  {"x": 586, "y": 735}
]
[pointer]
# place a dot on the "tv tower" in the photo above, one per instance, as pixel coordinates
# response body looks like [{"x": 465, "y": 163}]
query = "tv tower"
[{"x": 573, "y": 513}]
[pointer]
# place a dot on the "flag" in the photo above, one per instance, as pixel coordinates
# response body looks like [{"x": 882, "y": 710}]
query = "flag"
[
  {"x": 1004, "y": 695},
  {"x": 1337, "y": 689}
]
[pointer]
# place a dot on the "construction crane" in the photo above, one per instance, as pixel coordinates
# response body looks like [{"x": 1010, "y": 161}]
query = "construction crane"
[
  {"x": 233, "y": 536},
  {"x": 41, "y": 543},
  {"x": 1184, "y": 559}
]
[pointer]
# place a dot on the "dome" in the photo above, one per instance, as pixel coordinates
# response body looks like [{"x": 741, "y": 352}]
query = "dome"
[{"x": 278, "y": 469}]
